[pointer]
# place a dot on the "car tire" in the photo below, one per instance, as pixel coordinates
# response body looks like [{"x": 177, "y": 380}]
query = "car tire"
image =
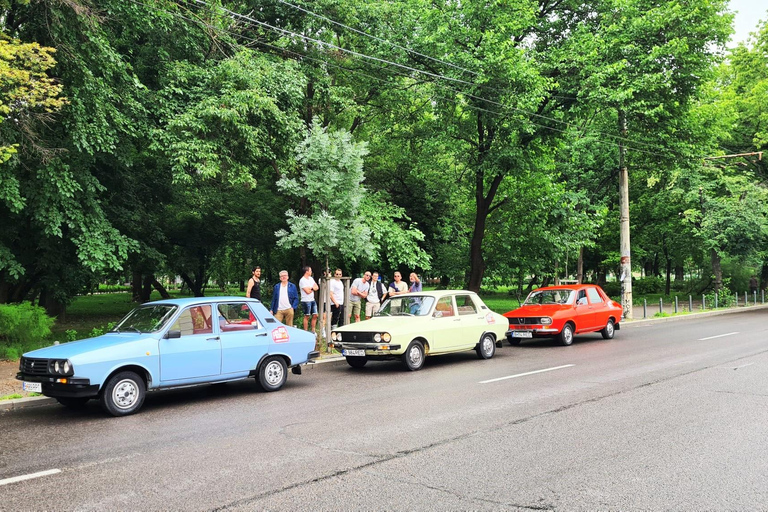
[
  {"x": 513, "y": 341},
  {"x": 357, "y": 361},
  {"x": 566, "y": 335},
  {"x": 273, "y": 373},
  {"x": 123, "y": 394},
  {"x": 73, "y": 402},
  {"x": 608, "y": 331},
  {"x": 487, "y": 347},
  {"x": 413, "y": 357}
]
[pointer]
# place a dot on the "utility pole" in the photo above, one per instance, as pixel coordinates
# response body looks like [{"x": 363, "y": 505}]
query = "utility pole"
[{"x": 625, "y": 272}]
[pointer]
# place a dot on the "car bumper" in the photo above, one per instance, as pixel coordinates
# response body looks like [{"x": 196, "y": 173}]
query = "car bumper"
[
  {"x": 371, "y": 349},
  {"x": 531, "y": 332},
  {"x": 61, "y": 387}
]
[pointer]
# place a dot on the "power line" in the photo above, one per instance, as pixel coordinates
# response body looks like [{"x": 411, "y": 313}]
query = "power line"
[{"x": 439, "y": 84}]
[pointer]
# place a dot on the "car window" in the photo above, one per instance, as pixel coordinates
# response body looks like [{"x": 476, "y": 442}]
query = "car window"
[
  {"x": 594, "y": 296},
  {"x": 465, "y": 305},
  {"x": 582, "y": 297},
  {"x": 237, "y": 316},
  {"x": 146, "y": 319},
  {"x": 194, "y": 320},
  {"x": 444, "y": 307}
]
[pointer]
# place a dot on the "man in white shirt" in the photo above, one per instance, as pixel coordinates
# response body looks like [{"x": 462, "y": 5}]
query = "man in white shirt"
[
  {"x": 376, "y": 294},
  {"x": 397, "y": 287},
  {"x": 359, "y": 291},
  {"x": 308, "y": 287},
  {"x": 337, "y": 297}
]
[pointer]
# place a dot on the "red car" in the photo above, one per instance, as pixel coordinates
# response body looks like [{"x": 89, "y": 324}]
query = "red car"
[{"x": 562, "y": 312}]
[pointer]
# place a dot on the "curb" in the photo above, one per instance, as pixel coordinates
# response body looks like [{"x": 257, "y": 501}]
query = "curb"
[
  {"x": 719, "y": 312},
  {"x": 39, "y": 401},
  {"x": 22, "y": 403}
]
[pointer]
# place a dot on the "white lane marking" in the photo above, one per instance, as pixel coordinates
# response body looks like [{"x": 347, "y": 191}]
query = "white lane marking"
[
  {"x": 29, "y": 476},
  {"x": 718, "y": 336},
  {"x": 526, "y": 373}
]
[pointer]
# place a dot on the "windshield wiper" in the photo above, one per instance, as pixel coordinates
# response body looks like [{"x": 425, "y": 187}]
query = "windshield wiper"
[{"x": 131, "y": 328}]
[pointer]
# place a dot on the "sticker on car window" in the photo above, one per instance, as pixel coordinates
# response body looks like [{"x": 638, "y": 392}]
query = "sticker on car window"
[
  {"x": 490, "y": 319},
  {"x": 280, "y": 335}
]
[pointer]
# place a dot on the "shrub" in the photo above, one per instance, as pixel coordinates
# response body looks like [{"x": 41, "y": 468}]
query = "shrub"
[
  {"x": 648, "y": 285},
  {"x": 612, "y": 288},
  {"x": 22, "y": 327}
]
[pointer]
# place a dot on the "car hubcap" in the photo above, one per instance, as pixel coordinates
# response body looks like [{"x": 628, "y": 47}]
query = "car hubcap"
[
  {"x": 487, "y": 345},
  {"x": 274, "y": 373},
  {"x": 609, "y": 329},
  {"x": 568, "y": 335},
  {"x": 415, "y": 356},
  {"x": 124, "y": 395}
]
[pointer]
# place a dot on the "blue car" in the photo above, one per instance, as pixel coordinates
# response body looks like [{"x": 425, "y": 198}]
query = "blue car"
[{"x": 168, "y": 344}]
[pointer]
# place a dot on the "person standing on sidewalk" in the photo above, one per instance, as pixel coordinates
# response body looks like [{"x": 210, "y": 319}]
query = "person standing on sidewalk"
[
  {"x": 359, "y": 291},
  {"x": 337, "y": 297},
  {"x": 308, "y": 288},
  {"x": 285, "y": 299},
  {"x": 397, "y": 287},
  {"x": 376, "y": 294},
  {"x": 254, "y": 284}
]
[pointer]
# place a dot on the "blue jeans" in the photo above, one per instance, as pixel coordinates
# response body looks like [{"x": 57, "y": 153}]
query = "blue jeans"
[{"x": 309, "y": 308}]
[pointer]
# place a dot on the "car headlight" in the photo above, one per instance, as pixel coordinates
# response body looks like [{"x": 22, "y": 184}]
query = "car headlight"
[
  {"x": 67, "y": 367},
  {"x": 377, "y": 337},
  {"x": 335, "y": 336},
  {"x": 546, "y": 320},
  {"x": 56, "y": 366},
  {"x": 386, "y": 337},
  {"x": 60, "y": 367}
]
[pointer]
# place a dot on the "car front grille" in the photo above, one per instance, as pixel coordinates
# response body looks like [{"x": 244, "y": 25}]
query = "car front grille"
[
  {"x": 530, "y": 320},
  {"x": 31, "y": 366},
  {"x": 357, "y": 337}
]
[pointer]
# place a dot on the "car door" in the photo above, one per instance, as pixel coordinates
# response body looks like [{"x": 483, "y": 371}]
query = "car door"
[
  {"x": 244, "y": 339},
  {"x": 196, "y": 353},
  {"x": 599, "y": 309},
  {"x": 473, "y": 323},
  {"x": 446, "y": 328},
  {"x": 582, "y": 312}
]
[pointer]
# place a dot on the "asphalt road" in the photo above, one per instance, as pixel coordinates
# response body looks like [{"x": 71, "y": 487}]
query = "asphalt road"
[{"x": 669, "y": 415}]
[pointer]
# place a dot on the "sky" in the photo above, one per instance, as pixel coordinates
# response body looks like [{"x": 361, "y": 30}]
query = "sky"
[{"x": 747, "y": 17}]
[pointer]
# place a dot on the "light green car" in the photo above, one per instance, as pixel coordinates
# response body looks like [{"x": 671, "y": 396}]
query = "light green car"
[{"x": 415, "y": 325}]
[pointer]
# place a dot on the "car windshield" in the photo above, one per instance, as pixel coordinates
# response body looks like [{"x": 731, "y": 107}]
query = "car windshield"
[
  {"x": 550, "y": 297},
  {"x": 412, "y": 305},
  {"x": 145, "y": 319}
]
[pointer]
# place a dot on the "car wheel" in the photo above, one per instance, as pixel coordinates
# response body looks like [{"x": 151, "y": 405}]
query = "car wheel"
[
  {"x": 273, "y": 373},
  {"x": 487, "y": 347},
  {"x": 608, "y": 331},
  {"x": 413, "y": 357},
  {"x": 124, "y": 394},
  {"x": 566, "y": 335},
  {"x": 513, "y": 341},
  {"x": 357, "y": 361},
  {"x": 73, "y": 402}
]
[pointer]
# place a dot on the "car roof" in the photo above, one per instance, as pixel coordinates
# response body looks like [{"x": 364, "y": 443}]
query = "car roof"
[
  {"x": 566, "y": 287},
  {"x": 438, "y": 293},
  {"x": 191, "y": 301}
]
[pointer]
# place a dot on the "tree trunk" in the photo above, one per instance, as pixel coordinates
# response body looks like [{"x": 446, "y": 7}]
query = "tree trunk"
[
  {"x": 160, "y": 289},
  {"x": 668, "y": 284},
  {"x": 136, "y": 286},
  {"x": 717, "y": 270},
  {"x": 146, "y": 289},
  {"x": 580, "y": 266},
  {"x": 679, "y": 273}
]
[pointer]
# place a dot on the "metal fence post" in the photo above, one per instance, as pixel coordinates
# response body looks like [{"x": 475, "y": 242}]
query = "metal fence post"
[
  {"x": 746, "y": 299},
  {"x": 676, "y": 304},
  {"x": 715, "y": 301},
  {"x": 661, "y": 306},
  {"x": 762, "y": 296},
  {"x": 690, "y": 304},
  {"x": 645, "y": 308},
  {"x": 754, "y": 298},
  {"x": 703, "y": 302},
  {"x": 737, "y": 298}
]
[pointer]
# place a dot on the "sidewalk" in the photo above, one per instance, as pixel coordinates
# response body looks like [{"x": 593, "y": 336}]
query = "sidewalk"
[{"x": 39, "y": 401}]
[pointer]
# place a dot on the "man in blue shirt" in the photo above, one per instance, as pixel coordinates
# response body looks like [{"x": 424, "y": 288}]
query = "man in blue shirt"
[{"x": 285, "y": 299}]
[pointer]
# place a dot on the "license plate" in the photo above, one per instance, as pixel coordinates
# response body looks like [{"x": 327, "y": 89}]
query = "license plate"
[
  {"x": 32, "y": 386},
  {"x": 347, "y": 352},
  {"x": 522, "y": 334}
]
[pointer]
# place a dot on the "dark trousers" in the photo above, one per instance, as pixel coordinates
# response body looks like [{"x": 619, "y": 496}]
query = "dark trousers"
[{"x": 337, "y": 312}]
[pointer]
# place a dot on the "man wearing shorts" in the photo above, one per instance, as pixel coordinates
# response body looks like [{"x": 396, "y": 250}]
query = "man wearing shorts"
[
  {"x": 376, "y": 295},
  {"x": 308, "y": 288},
  {"x": 359, "y": 291},
  {"x": 285, "y": 298}
]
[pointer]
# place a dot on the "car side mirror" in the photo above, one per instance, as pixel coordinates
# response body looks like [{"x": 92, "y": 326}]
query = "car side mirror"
[{"x": 172, "y": 334}]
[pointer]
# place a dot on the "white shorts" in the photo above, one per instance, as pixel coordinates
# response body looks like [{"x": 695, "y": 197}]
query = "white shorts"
[{"x": 371, "y": 308}]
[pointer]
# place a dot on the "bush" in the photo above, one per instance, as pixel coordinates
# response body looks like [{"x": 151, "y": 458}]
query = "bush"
[
  {"x": 612, "y": 289},
  {"x": 22, "y": 327},
  {"x": 648, "y": 285}
]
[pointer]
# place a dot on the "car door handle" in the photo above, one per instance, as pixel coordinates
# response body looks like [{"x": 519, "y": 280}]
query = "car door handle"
[
  {"x": 457, "y": 320},
  {"x": 261, "y": 334},
  {"x": 213, "y": 339}
]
